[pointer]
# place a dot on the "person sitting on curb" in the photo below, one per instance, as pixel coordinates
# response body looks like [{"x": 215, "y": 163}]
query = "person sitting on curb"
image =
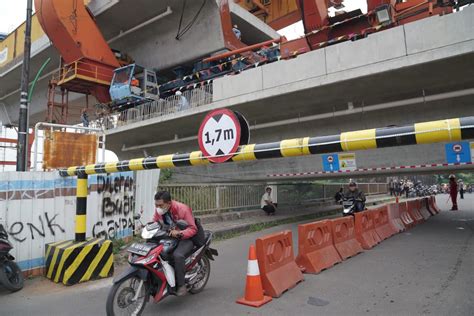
[{"x": 266, "y": 202}]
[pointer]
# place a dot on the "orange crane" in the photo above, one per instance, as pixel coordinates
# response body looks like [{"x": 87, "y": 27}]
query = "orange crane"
[
  {"x": 88, "y": 62},
  {"x": 321, "y": 29}
]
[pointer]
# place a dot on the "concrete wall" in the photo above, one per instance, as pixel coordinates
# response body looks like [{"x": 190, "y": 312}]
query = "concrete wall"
[{"x": 37, "y": 208}]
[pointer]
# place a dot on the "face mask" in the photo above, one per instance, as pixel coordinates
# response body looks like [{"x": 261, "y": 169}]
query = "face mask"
[{"x": 161, "y": 211}]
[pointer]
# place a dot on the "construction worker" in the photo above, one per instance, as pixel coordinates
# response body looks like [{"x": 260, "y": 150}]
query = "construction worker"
[
  {"x": 237, "y": 32},
  {"x": 135, "y": 86},
  {"x": 84, "y": 118},
  {"x": 183, "y": 103},
  {"x": 453, "y": 192}
]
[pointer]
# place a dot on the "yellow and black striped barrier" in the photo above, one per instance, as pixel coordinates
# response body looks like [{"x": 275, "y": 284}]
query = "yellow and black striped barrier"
[
  {"x": 81, "y": 207},
  {"x": 70, "y": 262},
  {"x": 420, "y": 133}
]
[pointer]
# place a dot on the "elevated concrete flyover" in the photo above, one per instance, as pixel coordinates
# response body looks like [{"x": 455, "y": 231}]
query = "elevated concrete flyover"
[
  {"x": 144, "y": 29},
  {"x": 420, "y": 71}
]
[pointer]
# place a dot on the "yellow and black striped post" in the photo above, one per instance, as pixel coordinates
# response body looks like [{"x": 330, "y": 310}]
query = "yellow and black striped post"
[
  {"x": 420, "y": 133},
  {"x": 81, "y": 207}
]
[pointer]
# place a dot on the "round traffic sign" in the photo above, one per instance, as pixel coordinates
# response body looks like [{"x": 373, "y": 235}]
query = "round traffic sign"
[
  {"x": 220, "y": 134},
  {"x": 330, "y": 159},
  {"x": 457, "y": 148}
]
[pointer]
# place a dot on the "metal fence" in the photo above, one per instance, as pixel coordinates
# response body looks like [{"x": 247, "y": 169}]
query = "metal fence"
[
  {"x": 173, "y": 104},
  {"x": 208, "y": 197}
]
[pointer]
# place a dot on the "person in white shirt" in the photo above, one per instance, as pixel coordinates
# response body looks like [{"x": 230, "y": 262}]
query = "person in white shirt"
[{"x": 266, "y": 203}]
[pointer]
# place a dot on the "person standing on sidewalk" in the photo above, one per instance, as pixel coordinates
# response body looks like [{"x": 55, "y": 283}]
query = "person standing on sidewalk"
[{"x": 453, "y": 192}]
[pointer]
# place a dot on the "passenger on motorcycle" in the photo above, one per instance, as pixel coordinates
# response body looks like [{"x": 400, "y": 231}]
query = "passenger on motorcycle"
[
  {"x": 358, "y": 196},
  {"x": 168, "y": 212}
]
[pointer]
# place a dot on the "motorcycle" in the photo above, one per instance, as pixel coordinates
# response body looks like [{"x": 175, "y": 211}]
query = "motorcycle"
[
  {"x": 349, "y": 206},
  {"x": 151, "y": 272},
  {"x": 11, "y": 276}
]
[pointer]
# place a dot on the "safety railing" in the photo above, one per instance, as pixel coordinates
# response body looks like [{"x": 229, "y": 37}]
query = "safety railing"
[
  {"x": 241, "y": 196},
  {"x": 163, "y": 107},
  {"x": 86, "y": 70}
]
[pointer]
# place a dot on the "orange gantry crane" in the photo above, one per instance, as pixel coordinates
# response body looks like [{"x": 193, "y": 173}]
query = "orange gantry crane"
[{"x": 88, "y": 62}]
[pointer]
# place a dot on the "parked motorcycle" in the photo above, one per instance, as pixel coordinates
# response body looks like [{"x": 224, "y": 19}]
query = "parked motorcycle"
[
  {"x": 11, "y": 276},
  {"x": 151, "y": 272}
]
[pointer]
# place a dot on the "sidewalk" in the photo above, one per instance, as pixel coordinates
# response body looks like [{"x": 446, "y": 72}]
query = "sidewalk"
[{"x": 233, "y": 223}]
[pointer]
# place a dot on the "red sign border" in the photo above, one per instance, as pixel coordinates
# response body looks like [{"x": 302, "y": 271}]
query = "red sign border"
[{"x": 234, "y": 118}]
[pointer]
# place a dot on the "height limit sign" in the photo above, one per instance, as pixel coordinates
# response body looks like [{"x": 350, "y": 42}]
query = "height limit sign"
[{"x": 221, "y": 133}]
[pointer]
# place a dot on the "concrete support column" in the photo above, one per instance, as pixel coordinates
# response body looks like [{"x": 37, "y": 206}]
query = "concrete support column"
[{"x": 81, "y": 207}]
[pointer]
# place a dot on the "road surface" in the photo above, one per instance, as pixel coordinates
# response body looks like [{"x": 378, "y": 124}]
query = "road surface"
[{"x": 427, "y": 270}]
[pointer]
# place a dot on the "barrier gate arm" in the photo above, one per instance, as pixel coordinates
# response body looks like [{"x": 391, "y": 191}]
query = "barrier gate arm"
[{"x": 419, "y": 133}]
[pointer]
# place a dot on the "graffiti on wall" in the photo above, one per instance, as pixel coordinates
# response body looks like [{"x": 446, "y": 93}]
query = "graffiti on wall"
[
  {"x": 117, "y": 202},
  {"x": 38, "y": 228}
]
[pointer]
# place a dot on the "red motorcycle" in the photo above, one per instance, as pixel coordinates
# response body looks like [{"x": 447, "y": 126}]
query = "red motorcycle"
[{"x": 151, "y": 272}]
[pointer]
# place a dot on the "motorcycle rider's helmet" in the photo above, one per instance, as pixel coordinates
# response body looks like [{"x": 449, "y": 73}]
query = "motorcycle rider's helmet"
[
  {"x": 452, "y": 176},
  {"x": 352, "y": 183}
]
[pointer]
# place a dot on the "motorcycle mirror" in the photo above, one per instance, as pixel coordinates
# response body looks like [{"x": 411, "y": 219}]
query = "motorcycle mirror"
[
  {"x": 182, "y": 224},
  {"x": 137, "y": 216}
]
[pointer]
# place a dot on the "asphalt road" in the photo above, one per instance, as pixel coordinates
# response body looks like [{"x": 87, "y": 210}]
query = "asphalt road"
[{"x": 425, "y": 271}]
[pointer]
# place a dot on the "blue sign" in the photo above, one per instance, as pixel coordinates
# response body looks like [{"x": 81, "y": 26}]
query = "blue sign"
[
  {"x": 331, "y": 162},
  {"x": 458, "y": 152}
]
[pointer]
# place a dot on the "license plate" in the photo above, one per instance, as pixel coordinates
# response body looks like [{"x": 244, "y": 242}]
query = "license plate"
[{"x": 140, "y": 249}]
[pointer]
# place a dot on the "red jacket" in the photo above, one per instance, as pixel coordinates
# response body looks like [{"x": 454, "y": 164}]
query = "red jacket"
[
  {"x": 179, "y": 211},
  {"x": 453, "y": 187}
]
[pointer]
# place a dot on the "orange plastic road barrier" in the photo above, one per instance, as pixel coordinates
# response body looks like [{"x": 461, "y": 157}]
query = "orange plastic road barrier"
[
  {"x": 422, "y": 208},
  {"x": 381, "y": 222},
  {"x": 278, "y": 268},
  {"x": 428, "y": 205},
  {"x": 253, "y": 289},
  {"x": 343, "y": 235},
  {"x": 394, "y": 217},
  {"x": 316, "y": 250},
  {"x": 365, "y": 230},
  {"x": 407, "y": 220},
  {"x": 433, "y": 203},
  {"x": 374, "y": 232},
  {"x": 412, "y": 208}
]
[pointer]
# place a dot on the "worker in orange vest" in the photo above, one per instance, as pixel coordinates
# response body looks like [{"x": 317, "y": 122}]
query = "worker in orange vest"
[{"x": 135, "y": 82}]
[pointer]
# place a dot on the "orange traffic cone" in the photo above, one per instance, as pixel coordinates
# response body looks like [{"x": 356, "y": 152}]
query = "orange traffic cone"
[{"x": 253, "y": 289}]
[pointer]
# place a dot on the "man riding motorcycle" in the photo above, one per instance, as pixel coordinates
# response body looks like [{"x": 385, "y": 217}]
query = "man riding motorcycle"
[
  {"x": 168, "y": 212},
  {"x": 358, "y": 196}
]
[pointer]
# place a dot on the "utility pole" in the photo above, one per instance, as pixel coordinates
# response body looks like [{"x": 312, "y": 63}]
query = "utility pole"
[{"x": 23, "y": 130}]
